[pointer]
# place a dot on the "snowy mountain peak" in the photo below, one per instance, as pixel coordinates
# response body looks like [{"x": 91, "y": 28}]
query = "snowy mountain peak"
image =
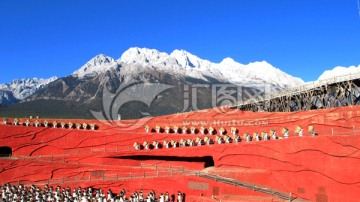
[
  {"x": 143, "y": 56},
  {"x": 181, "y": 62},
  {"x": 28, "y": 82},
  {"x": 188, "y": 60},
  {"x": 339, "y": 71},
  {"x": 22, "y": 88},
  {"x": 100, "y": 59},
  {"x": 97, "y": 64},
  {"x": 182, "y": 58},
  {"x": 228, "y": 60}
]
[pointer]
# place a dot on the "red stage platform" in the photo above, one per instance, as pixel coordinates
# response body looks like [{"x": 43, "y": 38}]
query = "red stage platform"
[{"x": 317, "y": 168}]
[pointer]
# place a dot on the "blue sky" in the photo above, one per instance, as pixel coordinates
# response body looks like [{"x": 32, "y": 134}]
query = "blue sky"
[{"x": 42, "y": 38}]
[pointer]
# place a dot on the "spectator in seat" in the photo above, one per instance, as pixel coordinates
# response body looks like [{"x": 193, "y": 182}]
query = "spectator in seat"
[
  {"x": 265, "y": 135},
  {"x": 180, "y": 197},
  {"x": 141, "y": 197},
  {"x": 183, "y": 142},
  {"x": 207, "y": 140},
  {"x": 285, "y": 132},
  {"x": 190, "y": 142},
  {"x": 236, "y": 138},
  {"x": 174, "y": 143},
  {"x": 161, "y": 198},
  {"x": 311, "y": 130},
  {"x": 299, "y": 131},
  {"x": 256, "y": 136},
  {"x": 218, "y": 139},
  {"x": 136, "y": 146},
  {"x": 273, "y": 134},
  {"x": 156, "y": 145},
  {"x": 167, "y": 144},
  {"x": 247, "y": 137},
  {"x": 146, "y": 145},
  {"x": 199, "y": 141},
  {"x": 227, "y": 139}
]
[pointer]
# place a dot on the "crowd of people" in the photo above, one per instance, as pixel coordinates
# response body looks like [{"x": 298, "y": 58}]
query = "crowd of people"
[
  {"x": 223, "y": 137},
  {"x": 48, "y": 193}
]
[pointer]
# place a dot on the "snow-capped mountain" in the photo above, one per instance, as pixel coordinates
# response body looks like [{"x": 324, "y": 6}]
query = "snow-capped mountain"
[
  {"x": 183, "y": 63},
  {"x": 7, "y": 97},
  {"x": 339, "y": 71},
  {"x": 83, "y": 91},
  {"x": 98, "y": 64},
  {"x": 22, "y": 88}
]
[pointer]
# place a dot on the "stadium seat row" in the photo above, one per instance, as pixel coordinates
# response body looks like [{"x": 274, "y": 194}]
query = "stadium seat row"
[
  {"x": 220, "y": 139},
  {"x": 55, "y": 124}
]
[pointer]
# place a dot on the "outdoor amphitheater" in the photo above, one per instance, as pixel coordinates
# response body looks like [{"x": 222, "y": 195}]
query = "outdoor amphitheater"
[{"x": 204, "y": 155}]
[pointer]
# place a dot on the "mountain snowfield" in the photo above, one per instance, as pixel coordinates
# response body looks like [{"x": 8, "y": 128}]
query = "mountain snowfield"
[
  {"x": 22, "y": 88},
  {"x": 180, "y": 64},
  {"x": 99, "y": 63},
  {"x": 183, "y": 63},
  {"x": 339, "y": 71}
]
